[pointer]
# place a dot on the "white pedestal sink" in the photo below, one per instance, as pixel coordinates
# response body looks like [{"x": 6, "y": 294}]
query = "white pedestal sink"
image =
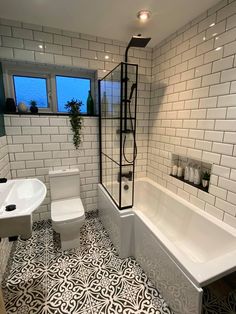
[{"x": 27, "y": 195}]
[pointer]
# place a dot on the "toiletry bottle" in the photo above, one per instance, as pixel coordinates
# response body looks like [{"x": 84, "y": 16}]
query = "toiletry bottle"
[
  {"x": 191, "y": 173},
  {"x": 186, "y": 172},
  {"x": 174, "y": 170},
  {"x": 197, "y": 176},
  {"x": 180, "y": 172}
]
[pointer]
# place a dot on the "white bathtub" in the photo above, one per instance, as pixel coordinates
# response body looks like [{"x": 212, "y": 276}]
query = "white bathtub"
[
  {"x": 202, "y": 245},
  {"x": 180, "y": 247}
]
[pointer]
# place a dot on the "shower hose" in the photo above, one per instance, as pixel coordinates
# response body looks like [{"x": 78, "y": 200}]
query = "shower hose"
[{"x": 132, "y": 130}]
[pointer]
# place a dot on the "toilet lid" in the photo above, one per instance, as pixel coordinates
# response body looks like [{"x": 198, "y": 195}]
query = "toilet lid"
[{"x": 67, "y": 210}]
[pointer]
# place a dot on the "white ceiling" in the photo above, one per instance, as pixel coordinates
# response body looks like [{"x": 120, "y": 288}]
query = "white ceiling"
[{"x": 114, "y": 19}]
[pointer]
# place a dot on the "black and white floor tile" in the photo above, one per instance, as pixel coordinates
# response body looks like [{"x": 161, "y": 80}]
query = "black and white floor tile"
[
  {"x": 223, "y": 302},
  {"x": 91, "y": 280},
  {"x": 42, "y": 279}
]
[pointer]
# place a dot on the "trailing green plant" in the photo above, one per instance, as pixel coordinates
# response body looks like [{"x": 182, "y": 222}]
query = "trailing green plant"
[
  {"x": 76, "y": 120},
  {"x": 206, "y": 175}
]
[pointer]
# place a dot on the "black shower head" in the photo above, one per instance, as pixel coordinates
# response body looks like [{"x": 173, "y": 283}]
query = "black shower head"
[
  {"x": 136, "y": 41},
  {"x": 139, "y": 41}
]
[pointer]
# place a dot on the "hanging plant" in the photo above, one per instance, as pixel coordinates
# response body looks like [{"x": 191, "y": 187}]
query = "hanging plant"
[{"x": 76, "y": 120}]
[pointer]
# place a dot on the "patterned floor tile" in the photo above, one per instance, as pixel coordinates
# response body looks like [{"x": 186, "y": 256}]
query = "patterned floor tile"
[
  {"x": 42, "y": 279},
  {"x": 214, "y": 304}
]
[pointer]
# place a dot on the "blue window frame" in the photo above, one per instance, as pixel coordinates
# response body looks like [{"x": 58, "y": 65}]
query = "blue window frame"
[
  {"x": 68, "y": 87},
  {"x": 29, "y": 88}
]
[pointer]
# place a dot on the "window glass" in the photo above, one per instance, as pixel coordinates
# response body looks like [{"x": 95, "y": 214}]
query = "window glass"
[
  {"x": 31, "y": 88},
  {"x": 72, "y": 87}
]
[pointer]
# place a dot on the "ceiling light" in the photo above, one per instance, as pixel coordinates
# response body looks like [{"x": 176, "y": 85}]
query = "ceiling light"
[
  {"x": 41, "y": 46},
  {"x": 143, "y": 15},
  {"x": 212, "y": 24},
  {"x": 218, "y": 48},
  {"x": 106, "y": 57}
]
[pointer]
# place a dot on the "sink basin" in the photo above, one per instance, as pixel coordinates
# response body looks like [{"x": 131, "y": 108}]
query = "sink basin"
[{"x": 27, "y": 195}]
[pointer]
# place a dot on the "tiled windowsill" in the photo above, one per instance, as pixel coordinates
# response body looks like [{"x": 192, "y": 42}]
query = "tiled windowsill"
[{"x": 46, "y": 114}]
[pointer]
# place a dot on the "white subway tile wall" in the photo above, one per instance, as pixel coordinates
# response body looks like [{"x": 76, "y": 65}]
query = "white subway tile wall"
[
  {"x": 48, "y": 145},
  {"x": 37, "y": 144},
  {"x": 194, "y": 86},
  {"x": 4, "y": 159}
]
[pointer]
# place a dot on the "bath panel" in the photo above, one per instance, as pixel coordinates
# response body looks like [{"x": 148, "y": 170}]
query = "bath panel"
[
  {"x": 181, "y": 247},
  {"x": 181, "y": 294},
  {"x": 119, "y": 224}
]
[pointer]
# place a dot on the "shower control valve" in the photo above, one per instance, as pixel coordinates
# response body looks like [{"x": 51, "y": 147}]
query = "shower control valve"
[{"x": 127, "y": 175}]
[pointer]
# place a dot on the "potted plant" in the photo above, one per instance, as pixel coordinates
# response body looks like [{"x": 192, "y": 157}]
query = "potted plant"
[
  {"x": 33, "y": 107},
  {"x": 205, "y": 179},
  {"x": 76, "y": 120}
]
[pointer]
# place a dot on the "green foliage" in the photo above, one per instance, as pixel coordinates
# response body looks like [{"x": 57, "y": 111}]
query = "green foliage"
[
  {"x": 76, "y": 120},
  {"x": 206, "y": 175},
  {"x": 33, "y": 103}
]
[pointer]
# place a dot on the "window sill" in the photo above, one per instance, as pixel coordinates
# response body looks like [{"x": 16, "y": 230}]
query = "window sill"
[{"x": 46, "y": 114}]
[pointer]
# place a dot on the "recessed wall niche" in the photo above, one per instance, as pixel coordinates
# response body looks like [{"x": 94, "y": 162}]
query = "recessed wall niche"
[{"x": 194, "y": 172}]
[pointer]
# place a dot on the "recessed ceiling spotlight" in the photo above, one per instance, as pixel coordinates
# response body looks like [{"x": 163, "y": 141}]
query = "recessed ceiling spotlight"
[
  {"x": 143, "y": 15},
  {"x": 107, "y": 57},
  {"x": 41, "y": 46},
  {"x": 212, "y": 24}
]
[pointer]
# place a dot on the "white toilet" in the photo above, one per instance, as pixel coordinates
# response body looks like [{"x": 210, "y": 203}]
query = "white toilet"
[{"x": 67, "y": 210}]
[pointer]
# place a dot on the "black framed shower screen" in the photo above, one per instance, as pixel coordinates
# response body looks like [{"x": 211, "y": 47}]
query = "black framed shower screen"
[{"x": 117, "y": 131}]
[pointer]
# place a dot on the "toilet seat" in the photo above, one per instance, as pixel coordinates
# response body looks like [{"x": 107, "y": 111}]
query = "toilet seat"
[{"x": 67, "y": 210}]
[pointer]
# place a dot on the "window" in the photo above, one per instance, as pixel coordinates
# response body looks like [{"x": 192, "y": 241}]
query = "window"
[
  {"x": 50, "y": 86},
  {"x": 71, "y": 87},
  {"x": 31, "y": 88}
]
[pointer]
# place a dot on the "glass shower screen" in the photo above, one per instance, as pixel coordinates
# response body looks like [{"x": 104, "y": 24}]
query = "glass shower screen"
[{"x": 118, "y": 150}]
